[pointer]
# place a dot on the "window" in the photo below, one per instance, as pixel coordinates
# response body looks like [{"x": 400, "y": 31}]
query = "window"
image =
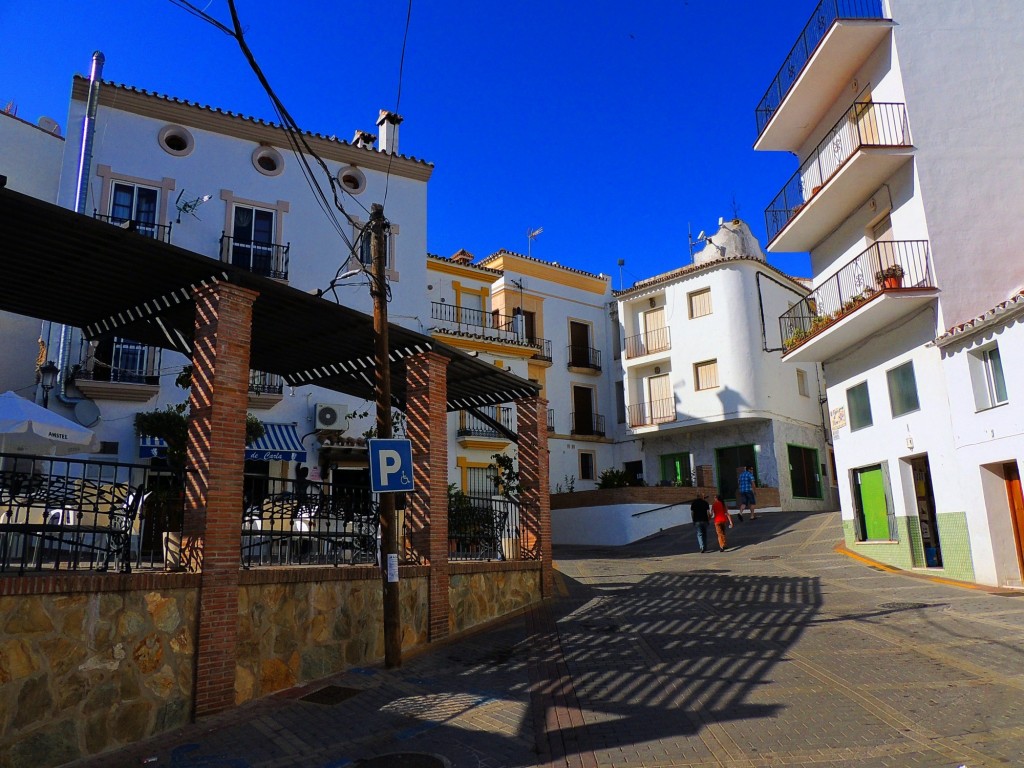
[
  {"x": 676, "y": 469},
  {"x": 620, "y": 402},
  {"x": 858, "y": 404},
  {"x": 176, "y": 140},
  {"x": 705, "y": 375},
  {"x": 134, "y": 205},
  {"x": 365, "y": 248},
  {"x": 902, "y": 389},
  {"x": 587, "y": 464},
  {"x": 700, "y": 303},
  {"x": 803, "y": 472},
  {"x": 252, "y": 245},
  {"x": 352, "y": 180},
  {"x": 986, "y": 368},
  {"x": 267, "y": 161},
  {"x": 801, "y": 382}
]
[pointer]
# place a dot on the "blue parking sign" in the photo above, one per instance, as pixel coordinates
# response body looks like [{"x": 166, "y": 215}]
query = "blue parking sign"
[{"x": 390, "y": 465}]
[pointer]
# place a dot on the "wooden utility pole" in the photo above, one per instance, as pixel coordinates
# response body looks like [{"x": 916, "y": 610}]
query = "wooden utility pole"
[{"x": 382, "y": 368}]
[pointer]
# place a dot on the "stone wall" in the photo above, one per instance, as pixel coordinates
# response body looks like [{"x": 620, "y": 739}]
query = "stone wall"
[
  {"x": 649, "y": 494},
  {"x": 482, "y": 592},
  {"x": 83, "y": 671},
  {"x": 318, "y": 622}
]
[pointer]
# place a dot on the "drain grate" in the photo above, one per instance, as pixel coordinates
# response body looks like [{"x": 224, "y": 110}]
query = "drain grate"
[
  {"x": 404, "y": 760},
  {"x": 331, "y": 694},
  {"x": 899, "y": 606},
  {"x": 767, "y": 557}
]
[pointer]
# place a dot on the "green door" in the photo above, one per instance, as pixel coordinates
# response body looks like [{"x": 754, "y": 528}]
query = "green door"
[{"x": 872, "y": 507}]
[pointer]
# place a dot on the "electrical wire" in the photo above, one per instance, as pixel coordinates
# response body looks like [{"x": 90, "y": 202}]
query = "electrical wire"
[{"x": 398, "y": 97}]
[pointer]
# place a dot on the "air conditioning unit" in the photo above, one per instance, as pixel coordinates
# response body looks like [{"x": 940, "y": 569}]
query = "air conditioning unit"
[{"x": 331, "y": 417}]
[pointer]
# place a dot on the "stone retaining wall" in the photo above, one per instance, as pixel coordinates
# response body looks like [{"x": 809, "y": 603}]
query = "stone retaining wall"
[
  {"x": 649, "y": 494},
  {"x": 482, "y": 592}
]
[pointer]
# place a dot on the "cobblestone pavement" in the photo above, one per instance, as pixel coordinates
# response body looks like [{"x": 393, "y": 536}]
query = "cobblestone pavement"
[{"x": 777, "y": 652}]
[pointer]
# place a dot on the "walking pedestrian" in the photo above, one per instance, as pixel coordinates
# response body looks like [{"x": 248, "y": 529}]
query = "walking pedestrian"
[
  {"x": 747, "y": 500},
  {"x": 722, "y": 519},
  {"x": 699, "y": 514}
]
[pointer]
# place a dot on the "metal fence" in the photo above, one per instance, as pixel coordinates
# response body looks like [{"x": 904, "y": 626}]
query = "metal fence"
[
  {"x": 267, "y": 259},
  {"x": 483, "y": 528},
  {"x": 161, "y": 232},
  {"x": 654, "y": 412},
  {"x": 648, "y": 343}
]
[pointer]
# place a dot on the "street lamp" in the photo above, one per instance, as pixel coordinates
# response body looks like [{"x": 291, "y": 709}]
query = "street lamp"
[{"x": 47, "y": 378}]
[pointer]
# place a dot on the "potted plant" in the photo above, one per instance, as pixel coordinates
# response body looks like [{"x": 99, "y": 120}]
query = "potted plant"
[{"x": 891, "y": 276}]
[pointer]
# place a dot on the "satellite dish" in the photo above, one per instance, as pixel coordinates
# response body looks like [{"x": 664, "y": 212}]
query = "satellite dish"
[
  {"x": 87, "y": 413},
  {"x": 49, "y": 125}
]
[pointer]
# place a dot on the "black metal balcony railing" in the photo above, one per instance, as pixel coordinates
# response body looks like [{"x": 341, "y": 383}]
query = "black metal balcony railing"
[
  {"x": 161, "y": 232},
  {"x": 265, "y": 383},
  {"x": 586, "y": 423},
  {"x": 654, "y": 412},
  {"x": 584, "y": 357},
  {"x": 824, "y": 16},
  {"x": 471, "y": 426},
  {"x": 648, "y": 343},
  {"x": 865, "y": 124},
  {"x": 130, "y": 363},
  {"x": 885, "y": 266},
  {"x": 477, "y": 321},
  {"x": 267, "y": 259},
  {"x": 544, "y": 345},
  {"x": 484, "y": 528},
  {"x": 551, "y": 419}
]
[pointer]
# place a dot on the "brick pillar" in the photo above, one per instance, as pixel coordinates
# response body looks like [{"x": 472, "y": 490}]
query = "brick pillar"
[
  {"x": 427, "y": 510},
  {"x": 535, "y": 499},
  {"x": 213, "y": 485}
]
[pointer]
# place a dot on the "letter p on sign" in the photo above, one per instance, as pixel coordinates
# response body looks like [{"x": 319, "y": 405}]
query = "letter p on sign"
[{"x": 390, "y": 466}]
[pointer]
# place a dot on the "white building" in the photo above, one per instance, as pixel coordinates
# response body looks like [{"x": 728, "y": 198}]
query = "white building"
[
  {"x": 905, "y": 197},
  {"x": 705, "y": 391}
]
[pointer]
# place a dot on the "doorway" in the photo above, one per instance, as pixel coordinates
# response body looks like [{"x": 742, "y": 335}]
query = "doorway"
[
  {"x": 1011, "y": 474},
  {"x": 874, "y": 521},
  {"x": 583, "y": 421},
  {"x": 925, "y": 500},
  {"x": 730, "y": 460}
]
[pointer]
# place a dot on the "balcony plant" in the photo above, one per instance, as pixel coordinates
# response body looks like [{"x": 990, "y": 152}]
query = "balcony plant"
[
  {"x": 797, "y": 336},
  {"x": 891, "y": 276}
]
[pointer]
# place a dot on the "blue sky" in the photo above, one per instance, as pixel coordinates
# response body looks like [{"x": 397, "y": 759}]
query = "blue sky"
[{"x": 614, "y": 126}]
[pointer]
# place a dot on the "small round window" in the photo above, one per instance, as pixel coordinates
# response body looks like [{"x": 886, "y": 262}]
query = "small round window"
[
  {"x": 176, "y": 140},
  {"x": 267, "y": 161},
  {"x": 352, "y": 180}
]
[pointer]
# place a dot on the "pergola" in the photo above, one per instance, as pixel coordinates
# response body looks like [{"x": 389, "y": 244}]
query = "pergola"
[{"x": 67, "y": 268}]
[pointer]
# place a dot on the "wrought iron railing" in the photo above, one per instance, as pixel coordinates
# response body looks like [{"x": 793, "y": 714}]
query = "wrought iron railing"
[
  {"x": 654, "y": 412},
  {"x": 822, "y": 19},
  {"x": 648, "y": 343},
  {"x": 544, "y": 345},
  {"x": 484, "y": 528},
  {"x": 161, "y": 232},
  {"x": 586, "y": 423},
  {"x": 267, "y": 259},
  {"x": 471, "y": 426},
  {"x": 263, "y": 383},
  {"x": 70, "y": 514},
  {"x": 551, "y": 419},
  {"x": 885, "y": 266},
  {"x": 130, "y": 363},
  {"x": 865, "y": 124},
  {"x": 584, "y": 357}
]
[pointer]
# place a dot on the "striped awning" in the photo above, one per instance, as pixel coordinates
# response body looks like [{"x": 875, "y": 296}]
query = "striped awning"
[{"x": 280, "y": 442}]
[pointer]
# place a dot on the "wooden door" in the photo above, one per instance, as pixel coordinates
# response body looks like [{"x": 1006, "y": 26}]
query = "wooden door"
[{"x": 1016, "y": 499}]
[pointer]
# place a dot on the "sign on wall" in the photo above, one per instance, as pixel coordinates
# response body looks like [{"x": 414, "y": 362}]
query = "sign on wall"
[{"x": 390, "y": 465}]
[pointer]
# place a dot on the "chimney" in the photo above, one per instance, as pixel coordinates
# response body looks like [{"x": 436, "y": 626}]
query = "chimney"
[
  {"x": 462, "y": 256},
  {"x": 388, "y": 123},
  {"x": 364, "y": 140}
]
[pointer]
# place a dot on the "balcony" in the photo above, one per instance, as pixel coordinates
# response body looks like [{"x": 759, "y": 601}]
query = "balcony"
[
  {"x": 835, "y": 44},
  {"x": 544, "y": 349},
  {"x": 585, "y": 359},
  {"x": 551, "y": 419},
  {"x": 654, "y": 412},
  {"x": 265, "y": 389},
  {"x": 587, "y": 423},
  {"x": 648, "y": 343},
  {"x": 476, "y": 322},
  {"x": 267, "y": 259},
  {"x": 471, "y": 427},
  {"x": 868, "y": 295},
  {"x": 161, "y": 232},
  {"x": 132, "y": 375},
  {"x": 868, "y": 144}
]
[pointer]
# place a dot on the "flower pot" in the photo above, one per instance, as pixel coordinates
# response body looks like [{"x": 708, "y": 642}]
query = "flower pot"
[{"x": 892, "y": 282}]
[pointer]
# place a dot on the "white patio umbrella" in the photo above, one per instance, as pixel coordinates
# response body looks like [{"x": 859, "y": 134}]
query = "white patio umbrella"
[{"x": 31, "y": 429}]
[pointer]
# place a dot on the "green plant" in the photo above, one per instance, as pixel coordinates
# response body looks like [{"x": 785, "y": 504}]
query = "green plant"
[
  {"x": 617, "y": 478},
  {"x": 398, "y": 423},
  {"x": 570, "y": 483},
  {"x": 798, "y": 335},
  {"x": 892, "y": 271}
]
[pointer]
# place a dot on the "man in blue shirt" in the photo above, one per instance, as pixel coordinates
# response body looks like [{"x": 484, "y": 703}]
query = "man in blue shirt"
[{"x": 747, "y": 499}]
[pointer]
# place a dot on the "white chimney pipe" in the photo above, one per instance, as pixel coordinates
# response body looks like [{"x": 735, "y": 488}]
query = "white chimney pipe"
[{"x": 388, "y": 123}]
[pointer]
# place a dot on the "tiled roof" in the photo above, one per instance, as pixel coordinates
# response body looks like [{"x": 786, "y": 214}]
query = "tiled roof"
[
  {"x": 690, "y": 269},
  {"x": 1001, "y": 312},
  {"x": 450, "y": 260},
  {"x": 503, "y": 252},
  {"x": 243, "y": 118}
]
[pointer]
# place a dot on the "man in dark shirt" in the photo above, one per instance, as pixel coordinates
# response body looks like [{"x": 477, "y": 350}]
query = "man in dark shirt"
[{"x": 699, "y": 512}]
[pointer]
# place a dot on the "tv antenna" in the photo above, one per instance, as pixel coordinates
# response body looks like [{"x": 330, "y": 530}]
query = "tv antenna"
[
  {"x": 189, "y": 206},
  {"x": 701, "y": 238},
  {"x": 531, "y": 235}
]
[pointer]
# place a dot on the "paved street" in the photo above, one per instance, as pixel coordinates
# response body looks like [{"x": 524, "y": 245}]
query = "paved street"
[{"x": 777, "y": 652}]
